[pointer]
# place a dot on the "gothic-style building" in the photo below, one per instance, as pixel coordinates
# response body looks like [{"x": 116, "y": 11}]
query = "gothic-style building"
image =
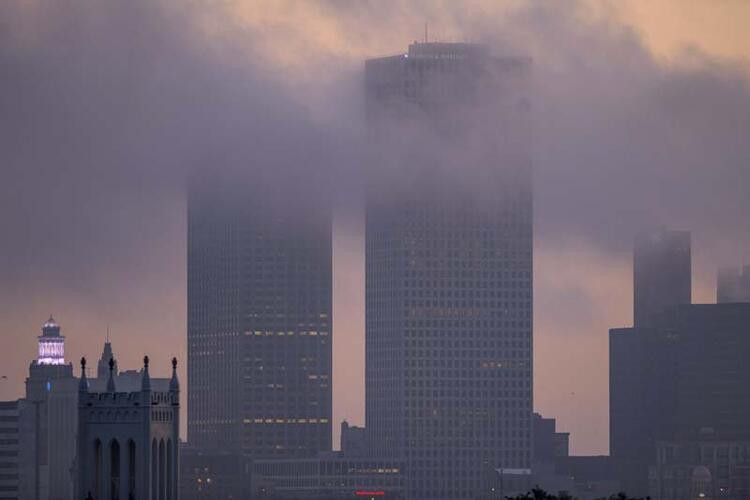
[{"x": 128, "y": 442}]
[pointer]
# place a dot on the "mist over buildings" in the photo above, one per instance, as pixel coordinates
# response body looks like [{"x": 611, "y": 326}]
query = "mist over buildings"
[{"x": 107, "y": 109}]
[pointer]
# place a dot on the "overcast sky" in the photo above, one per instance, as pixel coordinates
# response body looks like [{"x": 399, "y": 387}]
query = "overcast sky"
[{"x": 641, "y": 117}]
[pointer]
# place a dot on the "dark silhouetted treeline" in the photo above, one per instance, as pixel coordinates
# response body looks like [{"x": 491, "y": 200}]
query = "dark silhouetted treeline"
[{"x": 539, "y": 494}]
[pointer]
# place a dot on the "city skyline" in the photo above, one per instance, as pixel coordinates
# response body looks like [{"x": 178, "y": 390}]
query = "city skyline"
[{"x": 118, "y": 258}]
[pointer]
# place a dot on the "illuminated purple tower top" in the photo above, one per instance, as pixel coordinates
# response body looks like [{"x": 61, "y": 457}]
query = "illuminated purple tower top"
[{"x": 51, "y": 344}]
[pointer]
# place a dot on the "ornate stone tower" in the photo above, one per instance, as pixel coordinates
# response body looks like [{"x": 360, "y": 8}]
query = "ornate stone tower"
[{"x": 128, "y": 442}]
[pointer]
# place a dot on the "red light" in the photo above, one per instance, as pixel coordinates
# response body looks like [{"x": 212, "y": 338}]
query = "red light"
[{"x": 365, "y": 493}]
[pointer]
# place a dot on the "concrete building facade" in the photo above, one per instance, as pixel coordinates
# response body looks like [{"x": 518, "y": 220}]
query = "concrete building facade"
[
  {"x": 259, "y": 322},
  {"x": 449, "y": 268}
]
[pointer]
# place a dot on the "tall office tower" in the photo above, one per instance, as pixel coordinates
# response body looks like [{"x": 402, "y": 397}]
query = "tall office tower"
[
  {"x": 641, "y": 384},
  {"x": 48, "y": 422},
  {"x": 662, "y": 274},
  {"x": 259, "y": 320},
  {"x": 733, "y": 285},
  {"x": 449, "y": 267}
]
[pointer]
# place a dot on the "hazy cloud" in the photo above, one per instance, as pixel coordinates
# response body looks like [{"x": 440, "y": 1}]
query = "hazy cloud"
[{"x": 105, "y": 107}]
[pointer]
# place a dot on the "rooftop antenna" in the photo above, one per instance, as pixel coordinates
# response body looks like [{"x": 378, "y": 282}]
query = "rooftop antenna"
[
  {"x": 108, "y": 333},
  {"x": 425, "y": 32}
]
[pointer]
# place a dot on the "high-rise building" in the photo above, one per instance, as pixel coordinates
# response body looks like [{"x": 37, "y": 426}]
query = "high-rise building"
[
  {"x": 259, "y": 320},
  {"x": 48, "y": 421},
  {"x": 641, "y": 392},
  {"x": 733, "y": 285},
  {"x": 662, "y": 275},
  {"x": 449, "y": 267}
]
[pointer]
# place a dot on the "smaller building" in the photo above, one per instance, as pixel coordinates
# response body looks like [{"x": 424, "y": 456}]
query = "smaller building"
[
  {"x": 329, "y": 476},
  {"x": 128, "y": 440},
  {"x": 707, "y": 466},
  {"x": 353, "y": 440},
  {"x": 9, "y": 448},
  {"x": 548, "y": 443}
]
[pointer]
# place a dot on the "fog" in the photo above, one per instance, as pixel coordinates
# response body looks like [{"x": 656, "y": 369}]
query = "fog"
[{"x": 106, "y": 108}]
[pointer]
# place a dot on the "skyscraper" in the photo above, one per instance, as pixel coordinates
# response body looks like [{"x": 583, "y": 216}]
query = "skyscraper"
[
  {"x": 662, "y": 273},
  {"x": 449, "y": 267},
  {"x": 641, "y": 385},
  {"x": 259, "y": 320},
  {"x": 639, "y": 380}
]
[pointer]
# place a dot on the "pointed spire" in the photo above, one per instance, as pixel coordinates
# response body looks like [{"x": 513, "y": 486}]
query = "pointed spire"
[
  {"x": 50, "y": 328},
  {"x": 83, "y": 385},
  {"x": 146, "y": 379},
  {"x": 51, "y": 322},
  {"x": 174, "y": 384},
  {"x": 103, "y": 366},
  {"x": 111, "y": 380}
]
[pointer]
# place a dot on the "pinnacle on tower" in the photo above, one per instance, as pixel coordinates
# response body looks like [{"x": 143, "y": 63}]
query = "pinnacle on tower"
[
  {"x": 146, "y": 379},
  {"x": 83, "y": 385},
  {"x": 174, "y": 384},
  {"x": 111, "y": 380}
]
